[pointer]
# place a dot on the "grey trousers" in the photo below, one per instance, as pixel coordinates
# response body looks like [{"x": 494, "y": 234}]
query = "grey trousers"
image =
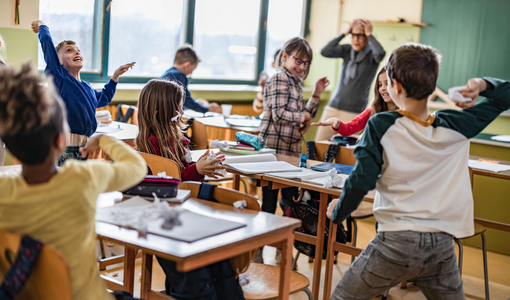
[{"x": 425, "y": 258}]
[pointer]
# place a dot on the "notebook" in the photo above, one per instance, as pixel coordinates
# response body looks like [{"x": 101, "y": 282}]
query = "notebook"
[
  {"x": 308, "y": 176},
  {"x": 324, "y": 167},
  {"x": 182, "y": 195},
  {"x": 487, "y": 166}
]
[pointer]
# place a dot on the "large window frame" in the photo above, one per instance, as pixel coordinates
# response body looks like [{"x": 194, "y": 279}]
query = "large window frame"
[{"x": 102, "y": 42}]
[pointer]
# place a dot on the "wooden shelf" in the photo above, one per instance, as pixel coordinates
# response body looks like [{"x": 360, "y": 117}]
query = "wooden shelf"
[{"x": 395, "y": 23}]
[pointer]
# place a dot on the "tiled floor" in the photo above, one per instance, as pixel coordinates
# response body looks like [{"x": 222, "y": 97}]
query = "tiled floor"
[{"x": 499, "y": 274}]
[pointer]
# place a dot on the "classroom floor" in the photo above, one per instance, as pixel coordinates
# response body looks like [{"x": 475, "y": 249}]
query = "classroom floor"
[{"x": 499, "y": 275}]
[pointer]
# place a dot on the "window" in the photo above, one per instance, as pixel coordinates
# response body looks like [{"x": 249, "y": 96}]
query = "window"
[
  {"x": 72, "y": 20},
  {"x": 235, "y": 40}
]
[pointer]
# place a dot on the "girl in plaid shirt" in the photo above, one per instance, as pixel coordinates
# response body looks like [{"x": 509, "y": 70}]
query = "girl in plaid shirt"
[{"x": 286, "y": 115}]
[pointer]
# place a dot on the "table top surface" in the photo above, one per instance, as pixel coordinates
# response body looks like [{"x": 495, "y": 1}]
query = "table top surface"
[
  {"x": 220, "y": 122},
  {"x": 128, "y": 132},
  {"x": 258, "y": 225}
]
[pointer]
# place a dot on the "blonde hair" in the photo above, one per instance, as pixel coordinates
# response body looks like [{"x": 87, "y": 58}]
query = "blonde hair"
[
  {"x": 3, "y": 50},
  {"x": 159, "y": 102},
  {"x": 301, "y": 47}
]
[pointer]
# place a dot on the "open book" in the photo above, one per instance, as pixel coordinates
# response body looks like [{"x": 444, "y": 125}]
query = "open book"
[
  {"x": 258, "y": 164},
  {"x": 308, "y": 176}
]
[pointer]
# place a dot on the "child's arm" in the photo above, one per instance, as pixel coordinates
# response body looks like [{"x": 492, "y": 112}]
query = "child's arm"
[
  {"x": 349, "y": 128},
  {"x": 127, "y": 170},
  {"x": 333, "y": 49},
  {"x": 312, "y": 106},
  {"x": 471, "y": 121},
  {"x": 106, "y": 95},
  {"x": 369, "y": 155},
  {"x": 378, "y": 52},
  {"x": 53, "y": 65}
]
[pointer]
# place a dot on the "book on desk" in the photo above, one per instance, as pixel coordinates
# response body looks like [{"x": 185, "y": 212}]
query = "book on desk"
[{"x": 340, "y": 168}]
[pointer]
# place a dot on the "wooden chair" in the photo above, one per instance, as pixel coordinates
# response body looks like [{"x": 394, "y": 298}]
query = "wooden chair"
[
  {"x": 199, "y": 136},
  {"x": 134, "y": 118},
  {"x": 158, "y": 164},
  {"x": 50, "y": 277}
]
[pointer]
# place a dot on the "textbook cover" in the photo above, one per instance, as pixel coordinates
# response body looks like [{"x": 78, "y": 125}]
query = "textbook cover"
[{"x": 324, "y": 167}]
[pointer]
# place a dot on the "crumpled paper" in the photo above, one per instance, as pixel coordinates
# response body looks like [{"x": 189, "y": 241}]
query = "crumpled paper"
[
  {"x": 455, "y": 95},
  {"x": 244, "y": 279},
  {"x": 188, "y": 157},
  {"x": 212, "y": 156},
  {"x": 176, "y": 118},
  {"x": 334, "y": 180},
  {"x": 240, "y": 204},
  {"x": 223, "y": 145}
]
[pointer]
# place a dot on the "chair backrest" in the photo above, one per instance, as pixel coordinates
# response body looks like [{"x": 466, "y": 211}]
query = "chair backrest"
[
  {"x": 344, "y": 156},
  {"x": 134, "y": 118},
  {"x": 50, "y": 277},
  {"x": 222, "y": 195},
  {"x": 199, "y": 136},
  {"x": 159, "y": 164}
]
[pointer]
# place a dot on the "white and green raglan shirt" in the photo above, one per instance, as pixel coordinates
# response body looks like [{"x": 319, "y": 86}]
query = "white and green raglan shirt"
[{"x": 420, "y": 168}]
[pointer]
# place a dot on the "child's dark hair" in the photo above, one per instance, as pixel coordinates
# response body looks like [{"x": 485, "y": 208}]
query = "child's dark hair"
[
  {"x": 63, "y": 43},
  {"x": 302, "y": 49},
  {"x": 31, "y": 114},
  {"x": 416, "y": 68},
  {"x": 186, "y": 54}
]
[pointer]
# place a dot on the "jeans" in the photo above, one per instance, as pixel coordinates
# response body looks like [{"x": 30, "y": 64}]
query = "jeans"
[
  {"x": 270, "y": 197},
  {"x": 425, "y": 258},
  {"x": 70, "y": 152}
]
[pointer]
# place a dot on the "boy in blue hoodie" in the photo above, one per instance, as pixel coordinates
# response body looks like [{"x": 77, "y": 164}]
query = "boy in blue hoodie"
[{"x": 64, "y": 64}]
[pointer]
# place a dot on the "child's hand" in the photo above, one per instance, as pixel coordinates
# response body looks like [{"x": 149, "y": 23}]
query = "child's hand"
[
  {"x": 121, "y": 70},
  {"x": 36, "y": 24},
  {"x": 331, "y": 207},
  {"x": 91, "y": 146},
  {"x": 305, "y": 126},
  {"x": 473, "y": 88},
  {"x": 333, "y": 122},
  {"x": 214, "y": 107},
  {"x": 320, "y": 86},
  {"x": 202, "y": 101},
  {"x": 308, "y": 117},
  {"x": 207, "y": 168}
]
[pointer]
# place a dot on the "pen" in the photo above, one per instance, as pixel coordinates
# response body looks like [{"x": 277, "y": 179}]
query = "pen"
[{"x": 488, "y": 160}]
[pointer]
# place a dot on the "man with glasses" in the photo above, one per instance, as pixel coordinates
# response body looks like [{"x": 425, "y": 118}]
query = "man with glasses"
[{"x": 361, "y": 60}]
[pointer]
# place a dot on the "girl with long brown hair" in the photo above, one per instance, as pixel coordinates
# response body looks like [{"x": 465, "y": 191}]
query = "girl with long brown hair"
[
  {"x": 159, "y": 122},
  {"x": 382, "y": 102}
]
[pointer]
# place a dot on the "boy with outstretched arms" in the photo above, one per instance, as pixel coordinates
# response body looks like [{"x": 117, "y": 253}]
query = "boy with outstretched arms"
[
  {"x": 418, "y": 163},
  {"x": 64, "y": 64}
]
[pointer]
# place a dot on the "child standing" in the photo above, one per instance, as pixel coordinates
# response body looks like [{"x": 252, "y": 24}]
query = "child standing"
[
  {"x": 2, "y": 64},
  {"x": 57, "y": 205},
  {"x": 64, "y": 64},
  {"x": 382, "y": 102},
  {"x": 419, "y": 164},
  {"x": 159, "y": 122},
  {"x": 185, "y": 62}
]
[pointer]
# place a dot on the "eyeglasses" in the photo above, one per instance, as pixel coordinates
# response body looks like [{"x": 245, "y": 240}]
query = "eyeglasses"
[
  {"x": 359, "y": 36},
  {"x": 306, "y": 64}
]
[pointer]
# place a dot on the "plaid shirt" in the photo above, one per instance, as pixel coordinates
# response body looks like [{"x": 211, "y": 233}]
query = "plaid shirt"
[{"x": 284, "y": 108}]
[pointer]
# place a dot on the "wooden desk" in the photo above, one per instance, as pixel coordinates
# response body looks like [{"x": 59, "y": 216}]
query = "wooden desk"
[
  {"x": 502, "y": 175},
  {"x": 128, "y": 133},
  {"x": 219, "y": 123},
  {"x": 261, "y": 229}
]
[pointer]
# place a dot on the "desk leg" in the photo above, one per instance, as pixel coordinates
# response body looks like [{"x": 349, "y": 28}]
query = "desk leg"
[
  {"x": 227, "y": 135},
  {"x": 129, "y": 269},
  {"x": 329, "y": 261},
  {"x": 321, "y": 231},
  {"x": 237, "y": 181},
  {"x": 146, "y": 275},
  {"x": 285, "y": 268}
]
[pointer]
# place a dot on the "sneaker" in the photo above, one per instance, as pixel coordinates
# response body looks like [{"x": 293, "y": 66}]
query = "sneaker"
[
  {"x": 278, "y": 256},
  {"x": 258, "y": 258}
]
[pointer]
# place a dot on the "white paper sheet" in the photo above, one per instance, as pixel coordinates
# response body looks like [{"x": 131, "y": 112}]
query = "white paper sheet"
[
  {"x": 488, "y": 166},
  {"x": 501, "y": 138},
  {"x": 263, "y": 167}
]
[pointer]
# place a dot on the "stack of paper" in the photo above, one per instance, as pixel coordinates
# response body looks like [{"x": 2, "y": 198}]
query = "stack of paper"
[
  {"x": 308, "y": 176},
  {"x": 263, "y": 167},
  {"x": 488, "y": 166}
]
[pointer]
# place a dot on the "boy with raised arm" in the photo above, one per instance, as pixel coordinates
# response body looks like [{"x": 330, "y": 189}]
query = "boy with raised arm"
[
  {"x": 419, "y": 165},
  {"x": 64, "y": 64}
]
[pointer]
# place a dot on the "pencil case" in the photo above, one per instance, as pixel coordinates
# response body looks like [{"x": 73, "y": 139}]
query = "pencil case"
[
  {"x": 250, "y": 139},
  {"x": 163, "y": 186}
]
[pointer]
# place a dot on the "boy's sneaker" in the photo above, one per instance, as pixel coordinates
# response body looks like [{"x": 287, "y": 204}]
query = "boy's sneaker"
[
  {"x": 278, "y": 256},
  {"x": 258, "y": 258}
]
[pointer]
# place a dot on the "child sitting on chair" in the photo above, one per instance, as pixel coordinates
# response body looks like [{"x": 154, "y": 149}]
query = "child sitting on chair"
[{"x": 55, "y": 205}]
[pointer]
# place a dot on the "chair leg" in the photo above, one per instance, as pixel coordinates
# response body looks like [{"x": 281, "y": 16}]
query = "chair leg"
[
  {"x": 245, "y": 186},
  {"x": 294, "y": 262},
  {"x": 354, "y": 236},
  {"x": 460, "y": 254},
  {"x": 101, "y": 246},
  {"x": 485, "y": 267},
  {"x": 385, "y": 295},
  {"x": 308, "y": 293}
]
